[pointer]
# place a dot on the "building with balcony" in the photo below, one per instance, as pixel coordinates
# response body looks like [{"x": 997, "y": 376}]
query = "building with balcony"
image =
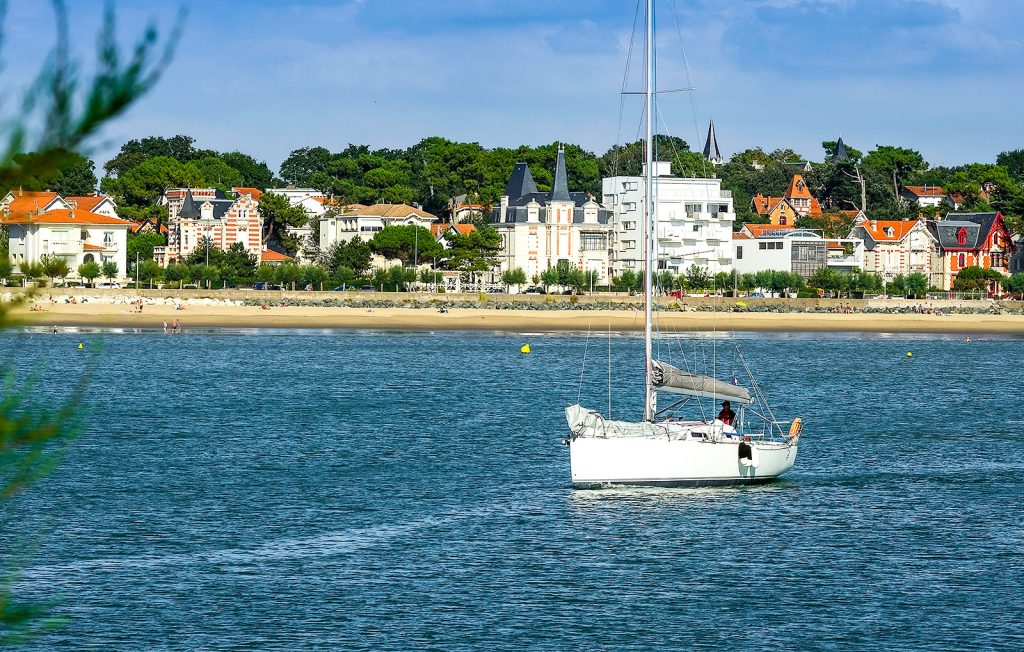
[
  {"x": 363, "y": 222},
  {"x": 894, "y": 247},
  {"x": 542, "y": 229},
  {"x": 760, "y": 247},
  {"x": 693, "y": 221},
  {"x": 77, "y": 236}
]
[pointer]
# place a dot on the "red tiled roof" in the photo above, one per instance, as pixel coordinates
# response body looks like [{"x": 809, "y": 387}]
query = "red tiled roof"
[
  {"x": 271, "y": 256},
  {"x": 66, "y": 216},
  {"x": 86, "y": 203},
  {"x": 255, "y": 193},
  {"x": 764, "y": 205},
  {"x": 877, "y": 229},
  {"x": 137, "y": 226},
  {"x": 759, "y": 230},
  {"x": 926, "y": 191},
  {"x": 740, "y": 236},
  {"x": 30, "y": 200},
  {"x": 464, "y": 229},
  {"x": 798, "y": 188}
]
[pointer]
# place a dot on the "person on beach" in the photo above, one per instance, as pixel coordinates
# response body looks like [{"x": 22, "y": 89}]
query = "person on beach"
[
  {"x": 727, "y": 416},
  {"x": 165, "y": 327},
  {"x": 55, "y": 331}
]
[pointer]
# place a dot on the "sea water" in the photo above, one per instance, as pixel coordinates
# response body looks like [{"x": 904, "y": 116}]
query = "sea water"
[{"x": 313, "y": 490}]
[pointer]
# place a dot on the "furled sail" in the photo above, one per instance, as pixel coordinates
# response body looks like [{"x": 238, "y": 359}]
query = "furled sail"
[{"x": 667, "y": 378}]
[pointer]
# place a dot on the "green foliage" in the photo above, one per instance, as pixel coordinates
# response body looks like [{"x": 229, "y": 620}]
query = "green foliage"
[
  {"x": 352, "y": 254},
  {"x": 266, "y": 273},
  {"x": 897, "y": 163},
  {"x": 287, "y": 274},
  {"x": 143, "y": 244},
  {"x": 549, "y": 277},
  {"x": 406, "y": 243},
  {"x": 698, "y": 278},
  {"x": 970, "y": 279},
  {"x": 90, "y": 271},
  {"x": 135, "y": 152},
  {"x": 1015, "y": 284},
  {"x": 218, "y": 174},
  {"x": 145, "y": 183},
  {"x": 917, "y": 285},
  {"x": 148, "y": 272},
  {"x": 830, "y": 145},
  {"x": 61, "y": 171},
  {"x": 6, "y": 268},
  {"x": 628, "y": 160},
  {"x": 110, "y": 270},
  {"x": 55, "y": 267},
  {"x": 474, "y": 252},
  {"x": 628, "y": 281},
  {"x": 509, "y": 277},
  {"x": 279, "y": 214},
  {"x": 1013, "y": 161},
  {"x": 254, "y": 174}
]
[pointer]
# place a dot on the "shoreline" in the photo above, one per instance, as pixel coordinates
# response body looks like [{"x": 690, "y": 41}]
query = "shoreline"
[{"x": 489, "y": 319}]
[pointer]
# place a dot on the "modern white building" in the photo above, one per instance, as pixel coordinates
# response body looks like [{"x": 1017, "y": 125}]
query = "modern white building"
[
  {"x": 542, "y": 229},
  {"x": 760, "y": 247},
  {"x": 693, "y": 221}
]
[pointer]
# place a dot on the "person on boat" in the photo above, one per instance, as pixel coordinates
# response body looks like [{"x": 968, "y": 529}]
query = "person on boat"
[{"x": 727, "y": 416}]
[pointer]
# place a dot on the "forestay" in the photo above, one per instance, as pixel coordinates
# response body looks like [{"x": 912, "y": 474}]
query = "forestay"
[{"x": 666, "y": 378}]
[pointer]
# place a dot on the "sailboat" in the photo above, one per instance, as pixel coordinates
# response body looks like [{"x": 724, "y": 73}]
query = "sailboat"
[{"x": 662, "y": 450}]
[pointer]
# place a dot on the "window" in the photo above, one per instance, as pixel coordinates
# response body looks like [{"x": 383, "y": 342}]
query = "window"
[
  {"x": 371, "y": 229},
  {"x": 963, "y": 261},
  {"x": 629, "y": 206},
  {"x": 783, "y": 219},
  {"x": 739, "y": 253},
  {"x": 696, "y": 228},
  {"x": 762, "y": 246},
  {"x": 592, "y": 241},
  {"x": 997, "y": 260},
  {"x": 108, "y": 239},
  {"x": 630, "y": 185},
  {"x": 693, "y": 208}
]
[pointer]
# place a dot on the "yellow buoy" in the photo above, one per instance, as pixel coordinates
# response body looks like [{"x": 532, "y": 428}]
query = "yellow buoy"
[
  {"x": 909, "y": 354},
  {"x": 524, "y": 348},
  {"x": 81, "y": 346}
]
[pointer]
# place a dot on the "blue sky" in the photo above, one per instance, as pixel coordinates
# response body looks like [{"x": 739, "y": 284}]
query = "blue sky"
[{"x": 265, "y": 77}]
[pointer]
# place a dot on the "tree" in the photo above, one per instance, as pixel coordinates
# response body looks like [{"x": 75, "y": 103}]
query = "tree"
[
  {"x": 110, "y": 270},
  {"x": 238, "y": 262},
  {"x": 406, "y": 243},
  {"x": 89, "y": 271},
  {"x": 287, "y": 274},
  {"x": 698, "y": 278},
  {"x": 1015, "y": 284},
  {"x": 917, "y": 285},
  {"x": 218, "y": 174},
  {"x": 973, "y": 279},
  {"x": 512, "y": 277},
  {"x": 6, "y": 269},
  {"x": 135, "y": 152},
  {"x": 145, "y": 183},
  {"x": 148, "y": 271},
  {"x": 142, "y": 245},
  {"x": 1013, "y": 161},
  {"x": 302, "y": 164},
  {"x": 898, "y": 163},
  {"x": 64, "y": 172},
  {"x": 476, "y": 251},
  {"x": 55, "y": 267},
  {"x": 278, "y": 215},
  {"x": 176, "y": 273},
  {"x": 549, "y": 277},
  {"x": 255, "y": 174},
  {"x": 352, "y": 254}
]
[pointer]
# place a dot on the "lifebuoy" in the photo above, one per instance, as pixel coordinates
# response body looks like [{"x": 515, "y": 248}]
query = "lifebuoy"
[{"x": 795, "y": 428}]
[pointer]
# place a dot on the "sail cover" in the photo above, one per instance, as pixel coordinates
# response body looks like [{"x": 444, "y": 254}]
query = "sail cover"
[{"x": 667, "y": 378}]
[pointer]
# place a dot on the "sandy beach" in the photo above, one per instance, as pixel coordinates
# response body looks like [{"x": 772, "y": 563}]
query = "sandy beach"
[{"x": 95, "y": 314}]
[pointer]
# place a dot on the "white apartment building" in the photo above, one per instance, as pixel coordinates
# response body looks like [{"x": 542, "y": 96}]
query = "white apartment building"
[
  {"x": 693, "y": 221},
  {"x": 363, "y": 222},
  {"x": 760, "y": 247}
]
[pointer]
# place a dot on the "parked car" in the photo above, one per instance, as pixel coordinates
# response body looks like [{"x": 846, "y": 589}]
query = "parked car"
[
  {"x": 367, "y": 288},
  {"x": 69, "y": 284},
  {"x": 263, "y": 285},
  {"x": 678, "y": 294},
  {"x": 112, "y": 285},
  {"x": 534, "y": 290}
]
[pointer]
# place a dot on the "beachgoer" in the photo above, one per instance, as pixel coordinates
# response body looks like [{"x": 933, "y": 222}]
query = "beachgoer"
[
  {"x": 727, "y": 416},
  {"x": 55, "y": 330},
  {"x": 165, "y": 326}
]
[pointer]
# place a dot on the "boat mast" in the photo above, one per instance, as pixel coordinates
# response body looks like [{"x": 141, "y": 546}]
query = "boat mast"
[{"x": 649, "y": 396}]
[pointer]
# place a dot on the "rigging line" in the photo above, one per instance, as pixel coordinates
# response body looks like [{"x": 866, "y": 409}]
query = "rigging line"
[
  {"x": 625, "y": 81},
  {"x": 689, "y": 81}
]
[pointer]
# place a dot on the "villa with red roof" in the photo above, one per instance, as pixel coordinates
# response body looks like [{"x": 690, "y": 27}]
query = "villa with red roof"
[
  {"x": 972, "y": 240},
  {"x": 44, "y": 224},
  {"x": 894, "y": 247},
  {"x": 923, "y": 196},
  {"x": 784, "y": 211}
]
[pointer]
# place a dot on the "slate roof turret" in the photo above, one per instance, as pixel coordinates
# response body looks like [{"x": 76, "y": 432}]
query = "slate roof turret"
[
  {"x": 711, "y": 151},
  {"x": 560, "y": 189}
]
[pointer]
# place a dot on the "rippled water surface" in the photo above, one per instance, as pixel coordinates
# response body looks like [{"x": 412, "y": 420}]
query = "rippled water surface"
[{"x": 342, "y": 490}]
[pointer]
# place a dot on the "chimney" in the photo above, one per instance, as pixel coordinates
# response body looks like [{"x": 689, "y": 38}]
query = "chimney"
[{"x": 874, "y": 224}]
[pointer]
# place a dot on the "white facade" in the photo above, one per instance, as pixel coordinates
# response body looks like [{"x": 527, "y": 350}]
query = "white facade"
[
  {"x": 536, "y": 245},
  {"x": 310, "y": 200},
  {"x": 364, "y": 222},
  {"x": 74, "y": 236},
  {"x": 693, "y": 222},
  {"x": 796, "y": 250}
]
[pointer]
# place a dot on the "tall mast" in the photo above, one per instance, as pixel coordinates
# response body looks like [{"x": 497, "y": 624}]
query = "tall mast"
[{"x": 649, "y": 396}]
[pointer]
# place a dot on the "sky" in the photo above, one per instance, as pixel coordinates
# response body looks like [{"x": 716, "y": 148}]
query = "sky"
[{"x": 269, "y": 76}]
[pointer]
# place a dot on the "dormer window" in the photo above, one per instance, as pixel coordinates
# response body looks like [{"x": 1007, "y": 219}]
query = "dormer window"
[
  {"x": 206, "y": 211},
  {"x": 890, "y": 232}
]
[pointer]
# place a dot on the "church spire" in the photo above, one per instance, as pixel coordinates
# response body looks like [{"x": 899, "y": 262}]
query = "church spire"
[
  {"x": 560, "y": 189},
  {"x": 711, "y": 151},
  {"x": 840, "y": 154}
]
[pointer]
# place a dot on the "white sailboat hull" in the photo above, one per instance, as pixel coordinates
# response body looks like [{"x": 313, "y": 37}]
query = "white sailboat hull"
[{"x": 598, "y": 462}]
